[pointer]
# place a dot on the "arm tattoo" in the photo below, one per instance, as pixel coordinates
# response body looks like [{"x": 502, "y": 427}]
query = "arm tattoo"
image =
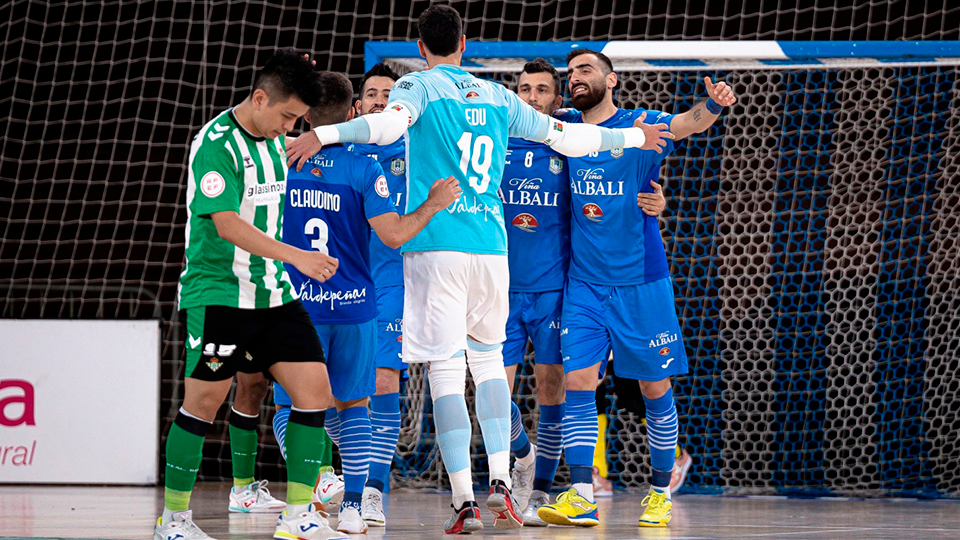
[{"x": 696, "y": 113}]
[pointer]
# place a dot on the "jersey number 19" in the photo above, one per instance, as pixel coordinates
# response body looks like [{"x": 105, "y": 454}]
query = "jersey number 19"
[{"x": 479, "y": 159}]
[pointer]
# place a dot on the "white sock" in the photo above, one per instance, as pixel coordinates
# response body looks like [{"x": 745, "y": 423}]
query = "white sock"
[
  {"x": 585, "y": 490},
  {"x": 462, "y": 485},
  {"x": 664, "y": 490},
  {"x": 294, "y": 510},
  {"x": 526, "y": 461},
  {"x": 499, "y": 463},
  {"x": 167, "y": 516}
]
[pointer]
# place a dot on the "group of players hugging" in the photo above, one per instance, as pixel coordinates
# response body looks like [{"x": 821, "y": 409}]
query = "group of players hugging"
[{"x": 304, "y": 257}]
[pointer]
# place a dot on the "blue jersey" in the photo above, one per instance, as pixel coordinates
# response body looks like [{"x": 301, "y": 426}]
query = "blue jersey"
[
  {"x": 536, "y": 198},
  {"x": 386, "y": 262},
  {"x": 460, "y": 125},
  {"x": 612, "y": 242},
  {"x": 327, "y": 207}
]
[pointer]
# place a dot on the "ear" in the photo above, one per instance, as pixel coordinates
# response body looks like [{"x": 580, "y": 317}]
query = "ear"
[
  {"x": 259, "y": 99},
  {"x": 612, "y": 79},
  {"x": 463, "y": 44},
  {"x": 306, "y": 116},
  {"x": 558, "y": 102},
  {"x": 423, "y": 50},
  {"x": 351, "y": 113},
  {"x": 356, "y": 106}
]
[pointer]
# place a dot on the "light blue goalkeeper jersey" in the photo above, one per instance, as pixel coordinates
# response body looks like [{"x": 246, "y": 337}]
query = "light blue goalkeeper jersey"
[{"x": 459, "y": 128}]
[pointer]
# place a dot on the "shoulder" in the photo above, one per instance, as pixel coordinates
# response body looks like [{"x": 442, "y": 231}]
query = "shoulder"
[{"x": 567, "y": 115}]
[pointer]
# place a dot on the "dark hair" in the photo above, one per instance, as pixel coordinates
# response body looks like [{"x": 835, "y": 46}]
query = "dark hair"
[
  {"x": 379, "y": 70},
  {"x": 604, "y": 61},
  {"x": 287, "y": 74},
  {"x": 440, "y": 29},
  {"x": 540, "y": 65},
  {"x": 335, "y": 102}
]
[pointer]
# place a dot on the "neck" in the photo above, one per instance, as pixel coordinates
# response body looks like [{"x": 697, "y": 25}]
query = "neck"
[
  {"x": 601, "y": 112},
  {"x": 244, "y": 115},
  {"x": 452, "y": 60}
]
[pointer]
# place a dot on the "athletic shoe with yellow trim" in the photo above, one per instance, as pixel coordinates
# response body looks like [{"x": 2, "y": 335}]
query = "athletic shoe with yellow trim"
[
  {"x": 570, "y": 509},
  {"x": 656, "y": 509}
]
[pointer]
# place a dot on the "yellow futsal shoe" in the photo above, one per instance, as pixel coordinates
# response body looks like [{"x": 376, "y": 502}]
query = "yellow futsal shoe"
[
  {"x": 570, "y": 509},
  {"x": 656, "y": 509}
]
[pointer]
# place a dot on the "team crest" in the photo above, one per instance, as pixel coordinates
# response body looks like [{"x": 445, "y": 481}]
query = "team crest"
[
  {"x": 664, "y": 351},
  {"x": 397, "y": 166},
  {"x": 249, "y": 356},
  {"x": 593, "y": 212},
  {"x": 556, "y": 165},
  {"x": 316, "y": 172},
  {"x": 214, "y": 364},
  {"x": 525, "y": 222},
  {"x": 616, "y": 153}
]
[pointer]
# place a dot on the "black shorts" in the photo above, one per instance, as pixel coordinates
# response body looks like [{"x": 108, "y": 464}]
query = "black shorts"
[{"x": 224, "y": 340}]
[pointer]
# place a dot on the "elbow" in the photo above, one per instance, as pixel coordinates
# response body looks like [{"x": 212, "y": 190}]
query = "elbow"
[{"x": 393, "y": 242}]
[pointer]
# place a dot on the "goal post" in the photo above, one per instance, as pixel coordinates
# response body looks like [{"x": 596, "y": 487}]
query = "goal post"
[{"x": 812, "y": 235}]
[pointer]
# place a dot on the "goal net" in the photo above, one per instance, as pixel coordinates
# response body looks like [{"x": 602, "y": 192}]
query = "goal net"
[{"x": 812, "y": 235}]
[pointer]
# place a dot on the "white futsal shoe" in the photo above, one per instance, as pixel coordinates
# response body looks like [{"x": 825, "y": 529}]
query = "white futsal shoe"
[
  {"x": 522, "y": 479},
  {"x": 180, "y": 527},
  {"x": 329, "y": 490},
  {"x": 254, "y": 499},
  {"x": 305, "y": 526},
  {"x": 530, "y": 517},
  {"x": 371, "y": 509},
  {"x": 349, "y": 520}
]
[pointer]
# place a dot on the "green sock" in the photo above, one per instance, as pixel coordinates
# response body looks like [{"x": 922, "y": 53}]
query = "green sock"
[
  {"x": 326, "y": 459},
  {"x": 184, "y": 452},
  {"x": 243, "y": 447},
  {"x": 304, "y": 442}
]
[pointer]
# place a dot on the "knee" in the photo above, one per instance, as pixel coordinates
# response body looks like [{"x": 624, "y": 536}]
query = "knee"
[
  {"x": 448, "y": 377},
  {"x": 388, "y": 381},
  {"x": 582, "y": 379},
  {"x": 252, "y": 389},
  {"x": 486, "y": 362},
  {"x": 654, "y": 389}
]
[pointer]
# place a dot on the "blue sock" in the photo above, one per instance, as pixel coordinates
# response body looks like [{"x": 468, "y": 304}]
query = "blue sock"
[
  {"x": 580, "y": 431},
  {"x": 332, "y": 424},
  {"x": 519, "y": 442},
  {"x": 549, "y": 445},
  {"x": 385, "y": 421},
  {"x": 493, "y": 413},
  {"x": 280, "y": 428},
  {"x": 354, "y": 451},
  {"x": 454, "y": 431},
  {"x": 662, "y": 432}
]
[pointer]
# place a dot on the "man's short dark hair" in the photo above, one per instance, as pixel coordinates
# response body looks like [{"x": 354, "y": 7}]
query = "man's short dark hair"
[
  {"x": 335, "y": 101},
  {"x": 379, "y": 70},
  {"x": 288, "y": 74},
  {"x": 440, "y": 29},
  {"x": 540, "y": 65},
  {"x": 605, "y": 62}
]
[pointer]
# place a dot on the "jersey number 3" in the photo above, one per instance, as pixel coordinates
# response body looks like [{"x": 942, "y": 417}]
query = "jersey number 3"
[
  {"x": 479, "y": 159},
  {"x": 320, "y": 243}
]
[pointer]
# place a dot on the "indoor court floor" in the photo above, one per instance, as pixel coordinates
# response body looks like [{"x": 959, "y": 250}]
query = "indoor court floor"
[{"x": 129, "y": 512}]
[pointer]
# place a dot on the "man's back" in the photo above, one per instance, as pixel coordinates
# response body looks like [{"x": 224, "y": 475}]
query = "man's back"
[{"x": 460, "y": 128}]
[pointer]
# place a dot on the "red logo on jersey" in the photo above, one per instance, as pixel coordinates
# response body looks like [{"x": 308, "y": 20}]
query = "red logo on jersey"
[
  {"x": 400, "y": 338},
  {"x": 593, "y": 212},
  {"x": 664, "y": 351},
  {"x": 316, "y": 172},
  {"x": 525, "y": 222},
  {"x": 472, "y": 95}
]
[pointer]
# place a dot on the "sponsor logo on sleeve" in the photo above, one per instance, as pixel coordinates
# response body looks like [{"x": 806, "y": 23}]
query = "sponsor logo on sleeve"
[
  {"x": 212, "y": 184},
  {"x": 404, "y": 85},
  {"x": 383, "y": 189}
]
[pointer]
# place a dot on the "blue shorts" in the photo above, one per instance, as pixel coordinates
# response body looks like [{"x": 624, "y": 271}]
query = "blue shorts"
[
  {"x": 351, "y": 361},
  {"x": 638, "y": 322},
  {"x": 533, "y": 316},
  {"x": 390, "y": 327}
]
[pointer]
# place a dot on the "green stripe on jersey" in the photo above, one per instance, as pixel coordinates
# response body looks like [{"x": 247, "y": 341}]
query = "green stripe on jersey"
[{"x": 231, "y": 170}]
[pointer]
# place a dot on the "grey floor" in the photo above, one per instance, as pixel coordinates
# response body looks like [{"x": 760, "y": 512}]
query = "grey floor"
[{"x": 117, "y": 512}]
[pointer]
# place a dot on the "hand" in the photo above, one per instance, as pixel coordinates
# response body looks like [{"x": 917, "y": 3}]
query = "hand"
[
  {"x": 319, "y": 266},
  {"x": 654, "y": 203},
  {"x": 303, "y": 148},
  {"x": 721, "y": 92},
  {"x": 312, "y": 62},
  {"x": 443, "y": 193},
  {"x": 655, "y": 135}
]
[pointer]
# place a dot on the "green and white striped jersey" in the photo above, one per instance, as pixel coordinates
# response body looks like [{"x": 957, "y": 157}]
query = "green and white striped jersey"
[{"x": 230, "y": 169}]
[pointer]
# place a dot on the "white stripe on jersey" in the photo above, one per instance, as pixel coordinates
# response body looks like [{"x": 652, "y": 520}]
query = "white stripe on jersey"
[
  {"x": 273, "y": 217},
  {"x": 248, "y": 212}
]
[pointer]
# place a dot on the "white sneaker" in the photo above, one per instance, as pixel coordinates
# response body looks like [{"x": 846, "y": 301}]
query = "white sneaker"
[
  {"x": 349, "y": 520},
  {"x": 305, "y": 526},
  {"x": 522, "y": 479},
  {"x": 680, "y": 468},
  {"x": 329, "y": 489},
  {"x": 181, "y": 527},
  {"x": 371, "y": 509},
  {"x": 255, "y": 499},
  {"x": 530, "y": 517}
]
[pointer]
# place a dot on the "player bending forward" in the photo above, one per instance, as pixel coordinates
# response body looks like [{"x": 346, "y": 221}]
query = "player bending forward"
[{"x": 455, "y": 272}]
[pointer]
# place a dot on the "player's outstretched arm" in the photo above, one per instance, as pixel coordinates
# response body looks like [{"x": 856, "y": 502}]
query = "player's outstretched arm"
[
  {"x": 395, "y": 230},
  {"x": 245, "y": 236},
  {"x": 377, "y": 128},
  {"x": 577, "y": 140},
  {"x": 704, "y": 114}
]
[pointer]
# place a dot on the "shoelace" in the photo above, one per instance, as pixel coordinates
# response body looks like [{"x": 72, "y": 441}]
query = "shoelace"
[
  {"x": 372, "y": 502},
  {"x": 191, "y": 529},
  {"x": 563, "y": 497},
  {"x": 262, "y": 491},
  {"x": 655, "y": 501}
]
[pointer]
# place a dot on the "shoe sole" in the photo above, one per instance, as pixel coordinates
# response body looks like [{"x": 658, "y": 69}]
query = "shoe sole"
[
  {"x": 257, "y": 511},
  {"x": 534, "y": 522},
  {"x": 504, "y": 516},
  {"x": 683, "y": 476},
  {"x": 653, "y": 524},
  {"x": 467, "y": 526},
  {"x": 375, "y": 522},
  {"x": 553, "y": 517}
]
